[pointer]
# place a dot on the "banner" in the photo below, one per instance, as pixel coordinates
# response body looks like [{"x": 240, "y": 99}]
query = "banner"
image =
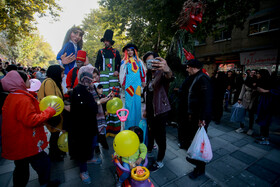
[{"x": 259, "y": 57}]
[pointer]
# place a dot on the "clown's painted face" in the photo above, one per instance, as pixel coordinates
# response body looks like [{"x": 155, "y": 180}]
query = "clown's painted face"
[
  {"x": 195, "y": 17},
  {"x": 130, "y": 52}
]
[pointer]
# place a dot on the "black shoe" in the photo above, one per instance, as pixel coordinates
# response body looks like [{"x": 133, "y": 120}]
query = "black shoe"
[
  {"x": 54, "y": 183},
  {"x": 97, "y": 150},
  {"x": 196, "y": 173},
  {"x": 192, "y": 161}
]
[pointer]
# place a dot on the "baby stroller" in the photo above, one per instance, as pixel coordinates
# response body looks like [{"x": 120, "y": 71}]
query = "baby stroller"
[{"x": 139, "y": 176}]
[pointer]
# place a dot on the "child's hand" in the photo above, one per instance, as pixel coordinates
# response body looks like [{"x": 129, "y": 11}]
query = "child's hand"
[{"x": 138, "y": 161}]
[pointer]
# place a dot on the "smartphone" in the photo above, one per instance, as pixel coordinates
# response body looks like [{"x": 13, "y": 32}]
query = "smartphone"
[{"x": 150, "y": 63}]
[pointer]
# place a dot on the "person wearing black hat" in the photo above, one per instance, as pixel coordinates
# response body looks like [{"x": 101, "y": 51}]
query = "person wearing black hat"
[
  {"x": 132, "y": 78},
  {"x": 195, "y": 102},
  {"x": 108, "y": 63}
]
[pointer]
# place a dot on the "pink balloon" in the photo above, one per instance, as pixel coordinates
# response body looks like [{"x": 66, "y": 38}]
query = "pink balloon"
[{"x": 35, "y": 85}]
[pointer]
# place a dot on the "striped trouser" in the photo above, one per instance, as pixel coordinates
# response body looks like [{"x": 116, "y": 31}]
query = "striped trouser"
[{"x": 108, "y": 81}]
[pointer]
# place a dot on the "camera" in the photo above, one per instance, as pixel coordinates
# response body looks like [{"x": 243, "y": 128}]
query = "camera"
[{"x": 150, "y": 63}]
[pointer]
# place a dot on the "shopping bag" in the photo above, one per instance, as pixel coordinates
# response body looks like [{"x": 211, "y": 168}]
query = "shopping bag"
[
  {"x": 238, "y": 113},
  {"x": 200, "y": 148}
]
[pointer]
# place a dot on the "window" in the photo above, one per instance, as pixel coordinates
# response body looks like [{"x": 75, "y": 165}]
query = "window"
[
  {"x": 263, "y": 25},
  {"x": 198, "y": 42},
  {"x": 223, "y": 36}
]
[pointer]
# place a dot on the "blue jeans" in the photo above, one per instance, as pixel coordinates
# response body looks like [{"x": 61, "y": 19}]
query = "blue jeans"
[{"x": 125, "y": 175}]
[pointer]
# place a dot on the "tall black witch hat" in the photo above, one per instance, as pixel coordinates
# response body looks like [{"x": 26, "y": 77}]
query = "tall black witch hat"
[{"x": 108, "y": 36}]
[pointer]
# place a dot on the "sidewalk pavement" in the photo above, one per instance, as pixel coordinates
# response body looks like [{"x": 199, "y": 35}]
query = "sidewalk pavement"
[{"x": 237, "y": 161}]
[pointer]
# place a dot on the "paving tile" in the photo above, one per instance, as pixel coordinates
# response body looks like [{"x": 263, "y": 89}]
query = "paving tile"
[
  {"x": 210, "y": 183},
  {"x": 238, "y": 165},
  {"x": 222, "y": 166},
  {"x": 224, "y": 128},
  {"x": 222, "y": 152},
  {"x": 253, "y": 151},
  {"x": 186, "y": 181},
  {"x": 179, "y": 167},
  {"x": 6, "y": 178},
  {"x": 243, "y": 157},
  {"x": 233, "y": 181},
  {"x": 163, "y": 176},
  {"x": 215, "y": 156},
  {"x": 264, "y": 147},
  {"x": 252, "y": 179},
  {"x": 7, "y": 168},
  {"x": 33, "y": 183},
  {"x": 231, "y": 148},
  {"x": 263, "y": 173},
  {"x": 240, "y": 143},
  {"x": 172, "y": 184},
  {"x": 217, "y": 143},
  {"x": 273, "y": 155},
  {"x": 216, "y": 175},
  {"x": 229, "y": 138},
  {"x": 269, "y": 165},
  {"x": 4, "y": 161},
  {"x": 169, "y": 155},
  {"x": 236, "y": 135},
  {"x": 214, "y": 132}
]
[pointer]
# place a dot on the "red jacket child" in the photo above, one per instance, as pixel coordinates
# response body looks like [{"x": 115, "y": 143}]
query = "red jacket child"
[{"x": 23, "y": 133}]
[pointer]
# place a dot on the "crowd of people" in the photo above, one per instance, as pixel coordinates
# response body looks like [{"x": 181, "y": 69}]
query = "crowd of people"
[{"x": 86, "y": 90}]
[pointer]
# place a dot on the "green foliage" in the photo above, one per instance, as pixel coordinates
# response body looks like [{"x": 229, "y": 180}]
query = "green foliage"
[
  {"x": 150, "y": 24},
  {"x": 17, "y": 16},
  {"x": 94, "y": 27}
]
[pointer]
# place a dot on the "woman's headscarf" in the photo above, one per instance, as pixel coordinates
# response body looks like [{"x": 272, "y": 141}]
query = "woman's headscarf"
[
  {"x": 54, "y": 72},
  {"x": 12, "y": 82},
  {"x": 85, "y": 75}
]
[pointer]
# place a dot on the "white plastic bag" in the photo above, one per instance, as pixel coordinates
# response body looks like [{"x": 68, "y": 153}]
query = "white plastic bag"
[{"x": 200, "y": 148}]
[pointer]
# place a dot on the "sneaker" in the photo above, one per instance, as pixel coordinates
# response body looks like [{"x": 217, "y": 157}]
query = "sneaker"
[
  {"x": 263, "y": 141},
  {"x": 118, "y": 184},
  {"x": 85, "y": 177},
  {"x": 94, "y": 161},
  {"x": 250, "y": 132},
  {"x": 157, "y": 165},
  {"x": 239, "y": 130}
]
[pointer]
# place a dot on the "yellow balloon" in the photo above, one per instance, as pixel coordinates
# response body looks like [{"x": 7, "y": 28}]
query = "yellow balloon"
[
  {"x": 51, "y": 99},
  {"x": 62, "y": 142},
  {"x": 113, "y": 105},
  {"x": 126, "y": 143}
]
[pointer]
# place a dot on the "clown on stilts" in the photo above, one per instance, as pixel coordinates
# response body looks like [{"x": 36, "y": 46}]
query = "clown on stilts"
[
  {"x": 132, "y": 77},
  {"x": 108, "y": 63}
]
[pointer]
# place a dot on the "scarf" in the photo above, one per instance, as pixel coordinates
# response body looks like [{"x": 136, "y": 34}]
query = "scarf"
[{"x": 101, "y": 122}]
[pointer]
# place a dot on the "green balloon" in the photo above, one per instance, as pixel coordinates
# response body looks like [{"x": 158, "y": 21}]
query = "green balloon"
[{"x": 113, "y": 105}]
